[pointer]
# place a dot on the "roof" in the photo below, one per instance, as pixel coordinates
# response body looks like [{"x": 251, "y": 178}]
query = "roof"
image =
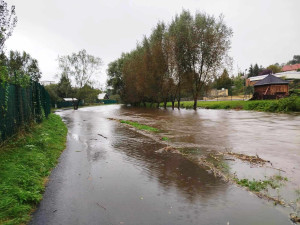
[
  {"x": 70, "y": 99},
  {"x": 270, "y": 79},
  {"x": 291, "y": 67},
  {"x": 101, "y": 96},
  {"x": 286, "y": 75}
]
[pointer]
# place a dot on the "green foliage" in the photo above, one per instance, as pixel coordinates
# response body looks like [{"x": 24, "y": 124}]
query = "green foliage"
[
  {"x": 53, "y": 93},
  {"x": 64, "y": 87},
  {"x": 295, "y": 60},
  {"x": 238, "y": 83},
  {"x": 140, "y": 126},
  {"x": 275, "y": 68},
  {"x": 114, "y": 72},
  {"x": 22, "y": 67},
  {"x": 82, "y": 67},
  {"x": 165, "y": 138},
  {"x": 25, "y": 162},
  {"x": 289, "y": 104},
  {"x": 253, "y": 185},
  {"x": 174, "y": 61},
  {"x": 274, "y": 182},
  {"x": 224, "y": 81}
]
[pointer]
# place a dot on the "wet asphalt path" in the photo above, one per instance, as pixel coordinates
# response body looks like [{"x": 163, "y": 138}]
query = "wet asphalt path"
[{"x": 109, "y": 174}]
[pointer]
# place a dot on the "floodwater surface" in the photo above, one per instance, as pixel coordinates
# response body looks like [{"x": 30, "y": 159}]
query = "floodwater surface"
[{"x": 110, "y": 174}]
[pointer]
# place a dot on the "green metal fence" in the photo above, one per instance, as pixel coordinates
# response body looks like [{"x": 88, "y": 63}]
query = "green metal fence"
[{"x": 21, "y": 106}]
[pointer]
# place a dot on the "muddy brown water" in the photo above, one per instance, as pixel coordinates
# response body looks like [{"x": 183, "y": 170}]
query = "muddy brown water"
[{"x": 110, "y": 174}]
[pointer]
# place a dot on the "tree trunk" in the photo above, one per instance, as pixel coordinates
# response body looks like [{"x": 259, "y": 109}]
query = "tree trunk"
[
  {"x": 144, "y": 104},
  {"x": 165, "y": 104},
  {"x": 195, "y": 102},
  {"x": 157, "y": 106},
  {"x": 178, "y": 106},
  {"x": 173, "y": 104}
]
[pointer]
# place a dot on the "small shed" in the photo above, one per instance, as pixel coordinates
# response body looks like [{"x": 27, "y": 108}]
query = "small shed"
[
  {"x": 271, "y": 87},
  {"x": 103, "y": 96}
]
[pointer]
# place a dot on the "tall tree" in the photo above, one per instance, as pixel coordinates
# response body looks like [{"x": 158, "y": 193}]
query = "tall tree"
[
  {"x": 64, "y": 88},
  {"x": 8, "y": 21},
  {"x": 82, "y": 67},
  {"x": 22, "y": 65},
  {"x": 115, "y": 75},
  {"x": 295, "y": 60},
  {"x": 275, "y": 68},
  {"x": 224, "y": 81},
  {"x": 211, "y": 42},
  {"x": 180, "y": 33}
]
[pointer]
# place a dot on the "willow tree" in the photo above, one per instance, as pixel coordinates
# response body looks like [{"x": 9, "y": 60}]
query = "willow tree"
[
  {"x": 180, "y": 34},
  {"x": 210, "y": 44},
  {"x": 159, "y": 64},
  {"x": 82, "y": 67}
]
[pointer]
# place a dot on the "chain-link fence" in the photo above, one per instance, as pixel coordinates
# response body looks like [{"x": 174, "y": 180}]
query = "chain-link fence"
[{"x": 21, "y": 106}]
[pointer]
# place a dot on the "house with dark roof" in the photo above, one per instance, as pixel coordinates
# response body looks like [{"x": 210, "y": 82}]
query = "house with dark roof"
[{"x": 271, "y": 87}]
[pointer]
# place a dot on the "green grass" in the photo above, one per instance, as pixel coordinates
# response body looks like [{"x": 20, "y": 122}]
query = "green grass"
[
  {"x": 25, "y": 164},
  {"x": 140, "y": 126},
  {"x": 165, "y": 138},
  {"x": 290, "y": 104},
  {"x": 274, "y": 182}
]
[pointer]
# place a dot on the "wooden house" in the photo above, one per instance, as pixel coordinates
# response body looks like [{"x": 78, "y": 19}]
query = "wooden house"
[{"x": 271, "y": 87}]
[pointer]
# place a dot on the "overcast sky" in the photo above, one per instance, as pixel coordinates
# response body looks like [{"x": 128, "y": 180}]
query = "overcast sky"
[{"x": 264, "y": 31}]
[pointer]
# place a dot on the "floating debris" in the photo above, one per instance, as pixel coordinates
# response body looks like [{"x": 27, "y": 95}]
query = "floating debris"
[
  {"x": 102, "y": 136},
  {"x": 294, "y": 218},
  {"x": 168, "y": 149},
  {"x": 252, "y": 159}
]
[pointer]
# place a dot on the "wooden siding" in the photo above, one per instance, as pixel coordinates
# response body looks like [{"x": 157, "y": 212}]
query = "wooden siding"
[{"x": 276, "y": 90}]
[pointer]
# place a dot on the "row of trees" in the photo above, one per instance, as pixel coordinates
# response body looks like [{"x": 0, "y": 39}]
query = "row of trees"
[
  {"x": 175, "y": 60},
  {"x": 80, "y": 68},
  {"x": 20, "y": 68},
  {"x": 15, "y": 67}
]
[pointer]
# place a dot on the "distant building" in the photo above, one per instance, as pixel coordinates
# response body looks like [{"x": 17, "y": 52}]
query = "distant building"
[
  {"x": 289, "y": 76},
  {"x": 218, "y": 93},
  {"x": 271, "y": 87},
  {"x": 103, "y": 96},
  {"x": 294, "y": 67},
  {"x": 70, "y": 99},
  {"x": 47, "y": 82}
]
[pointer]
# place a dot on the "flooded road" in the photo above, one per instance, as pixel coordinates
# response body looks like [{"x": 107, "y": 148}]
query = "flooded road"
[{"x": 110, "y": 174}]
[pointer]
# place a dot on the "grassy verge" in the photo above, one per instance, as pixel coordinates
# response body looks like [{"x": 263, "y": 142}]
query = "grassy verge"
[
  {"x": 140, "y": 126},
  {"x": 25, "y": 163},
  {"x": 290, "y": 104}
]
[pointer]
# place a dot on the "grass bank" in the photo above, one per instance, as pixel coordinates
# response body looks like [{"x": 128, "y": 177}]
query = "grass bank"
[
  {"x": 25, "y": 164},
  {"x": 290, "y": 104},
  {"x": 139, "y": 126}
]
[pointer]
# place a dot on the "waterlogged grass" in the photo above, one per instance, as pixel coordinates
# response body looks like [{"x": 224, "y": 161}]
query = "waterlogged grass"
[
  {"x": 140, "y": 126},
  {"x": 165, "y": 138},
  {"x": 290, "y": 104},
  {"x": 260, "y": 185},
  {"x": 25, "y": 163}
]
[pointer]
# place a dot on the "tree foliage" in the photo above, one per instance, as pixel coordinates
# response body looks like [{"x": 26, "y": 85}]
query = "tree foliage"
[
  {"x": 174, "y": 61},
  {"x": 295, "y": 60},
  {"x": 82, "y": 67},
  {"x": 224, "y": 81},
  {"x": 275, "y": 68},
  {"x": 20, "y": 68},
  {"x": 8, "y": 21}
]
